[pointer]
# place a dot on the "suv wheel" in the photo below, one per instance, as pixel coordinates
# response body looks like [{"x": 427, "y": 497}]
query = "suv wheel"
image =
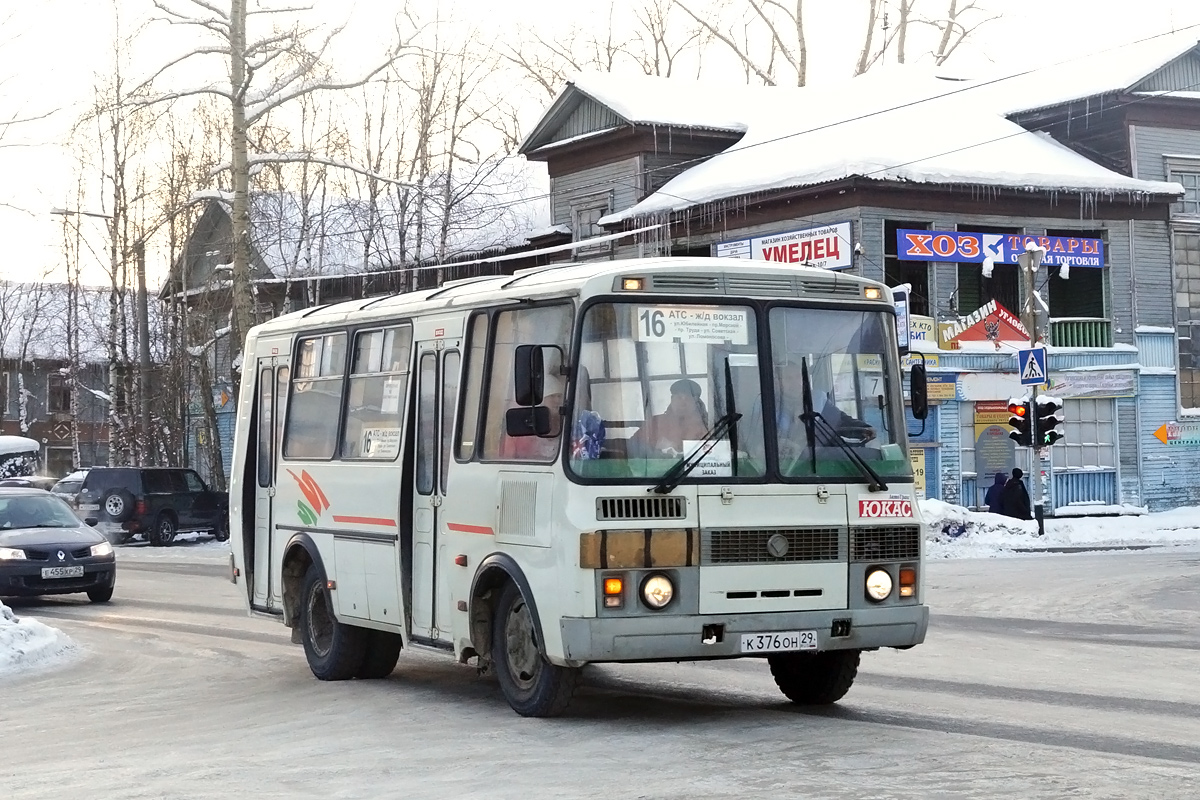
[{"x": 164, "y": 531}]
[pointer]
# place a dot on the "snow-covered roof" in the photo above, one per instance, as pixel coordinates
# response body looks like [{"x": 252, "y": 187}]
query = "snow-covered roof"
[
  {"x": 900, "y": 125},
  {"x": 1112, "y": 70},
  {"x": 496, "y": 206},
  {"x": 33, "y": 321},
  {"x": 651, "y": 100}
]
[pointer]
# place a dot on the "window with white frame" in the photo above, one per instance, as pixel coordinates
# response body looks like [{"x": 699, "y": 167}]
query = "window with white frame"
[
  {"x": 1186, "y": 171},
  {"x": 1187, "y": 316},
  {"x": 586, "y": 213},
  {"x": 1090, "y": 435}
]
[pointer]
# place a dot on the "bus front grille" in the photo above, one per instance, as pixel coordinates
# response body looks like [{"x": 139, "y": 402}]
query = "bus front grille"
[
  {"x": 887, "y": 543},
  {"x": 772, "y": 545},
  {"x": 640, "y": 508}
]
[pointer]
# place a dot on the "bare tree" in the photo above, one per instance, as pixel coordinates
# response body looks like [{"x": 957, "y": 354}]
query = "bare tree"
[{"x": 256, "y": 87}]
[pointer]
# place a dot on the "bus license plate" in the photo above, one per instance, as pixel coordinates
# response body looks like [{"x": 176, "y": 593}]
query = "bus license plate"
[
  {"x": 62, "y": 572},
  {"x": 779, "y": 641}
]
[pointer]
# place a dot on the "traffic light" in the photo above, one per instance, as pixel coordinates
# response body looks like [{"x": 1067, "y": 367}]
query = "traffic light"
[
  {"x": 1020, "y": 421},
  {"x": 1048, "y": 420}
]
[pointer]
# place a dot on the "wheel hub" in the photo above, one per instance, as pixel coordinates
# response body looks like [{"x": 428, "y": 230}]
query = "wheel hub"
[
  {"x": 320, "y": 623},
  {"x": 524, "y": 660}
]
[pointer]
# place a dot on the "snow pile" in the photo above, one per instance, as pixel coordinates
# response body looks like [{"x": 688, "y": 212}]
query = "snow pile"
[
  {"x": 957, "y": 532},
  {"x": 26, "y": 644}
]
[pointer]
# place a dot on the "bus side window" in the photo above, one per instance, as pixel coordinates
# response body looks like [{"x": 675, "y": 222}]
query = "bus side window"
[
  {"x": 543, "y": 325},
  {"x": 450, "y": 365},
  {"x": 375, "y": 400},
  {"x": 468, "y": 425},
  {"x": 316, "y": 397}
]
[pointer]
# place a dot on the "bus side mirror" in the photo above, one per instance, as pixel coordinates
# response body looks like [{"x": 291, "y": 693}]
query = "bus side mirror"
[
  {"x": 527, "y": 421},
  {"x": 529, "y": 375},
  {"x": 919, "y": 390}
]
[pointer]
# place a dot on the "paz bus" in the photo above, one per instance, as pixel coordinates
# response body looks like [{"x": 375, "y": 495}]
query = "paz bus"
[{"x": 621, "y": 461}]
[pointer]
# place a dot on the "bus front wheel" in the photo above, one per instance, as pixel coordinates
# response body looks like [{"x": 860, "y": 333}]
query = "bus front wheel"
[
  {"x": 334, "y": 649},
  {"x": 532, "y": 685},
  {"x": 814, "y": 679}
]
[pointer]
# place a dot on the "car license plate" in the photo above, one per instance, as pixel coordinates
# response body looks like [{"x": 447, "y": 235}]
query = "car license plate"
[
  {"x": 89, "y": 506},
  {"x": 62, "y": 572},
  {"x": 779, "y": 641}
]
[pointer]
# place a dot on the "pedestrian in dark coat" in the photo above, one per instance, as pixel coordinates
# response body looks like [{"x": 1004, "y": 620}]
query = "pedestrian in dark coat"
[
  {"x": 994, "y": 498},
  {"x": 1014, "y": 501}
]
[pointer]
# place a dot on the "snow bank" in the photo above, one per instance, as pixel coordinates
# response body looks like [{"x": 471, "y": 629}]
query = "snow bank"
[
  {"x": 957, "y": 532},
  {"x": 26, "y": 644},
  {"x": 18, "y": 444}
]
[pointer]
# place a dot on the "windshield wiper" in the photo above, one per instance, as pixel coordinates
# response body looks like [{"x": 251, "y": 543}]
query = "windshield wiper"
[
  {"x": 811, "y": 417},
  {"x": 684, "y": 466},
  {"x": 731, "y": 408}
]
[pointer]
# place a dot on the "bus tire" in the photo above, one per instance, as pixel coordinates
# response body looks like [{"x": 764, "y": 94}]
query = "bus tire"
[
  {"x": 815, "y": 679},
  {"x": 334, "y": 650},
  {"x": 532, "y": 685},
  {"x": 382, "y": 653}
]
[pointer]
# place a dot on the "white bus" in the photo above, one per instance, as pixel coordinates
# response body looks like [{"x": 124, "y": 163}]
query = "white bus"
[{"x": 652, "y": 460}]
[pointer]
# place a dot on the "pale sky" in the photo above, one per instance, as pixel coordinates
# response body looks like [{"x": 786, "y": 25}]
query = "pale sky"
[{"x": 51, "y": 52}]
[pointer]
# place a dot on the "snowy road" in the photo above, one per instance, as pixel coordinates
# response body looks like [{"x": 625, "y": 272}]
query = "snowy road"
[{"x": 1043, "y": 676}]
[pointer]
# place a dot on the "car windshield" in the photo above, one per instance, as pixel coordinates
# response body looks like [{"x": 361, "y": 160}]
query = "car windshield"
[
  {"x": 654, "y": 379},
  {"x": 36, "y": 511},
  {"x": 847, "y": 358}
]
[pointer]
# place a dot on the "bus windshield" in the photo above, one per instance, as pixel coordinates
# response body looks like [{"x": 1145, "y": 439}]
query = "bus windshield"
[
  {"x": 655, "y": 378},
  {"x": 852, "y": 381}
]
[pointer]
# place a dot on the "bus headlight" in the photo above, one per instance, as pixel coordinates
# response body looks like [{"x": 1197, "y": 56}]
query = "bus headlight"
[
  {"x": 879, "y": 584},
  {"x": 657, "y": 591}
]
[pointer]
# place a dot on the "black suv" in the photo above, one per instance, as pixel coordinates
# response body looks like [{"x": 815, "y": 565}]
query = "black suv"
[{"x": 156, "y": 502}]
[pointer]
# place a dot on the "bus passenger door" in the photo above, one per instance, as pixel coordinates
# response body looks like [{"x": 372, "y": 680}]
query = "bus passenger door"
[
  {"x": 272, "y": 388},
  {"x": 437, "y": 397}
]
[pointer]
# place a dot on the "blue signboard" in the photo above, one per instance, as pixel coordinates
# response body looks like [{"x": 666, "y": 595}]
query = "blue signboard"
[{"x": 1001, "y": 248}]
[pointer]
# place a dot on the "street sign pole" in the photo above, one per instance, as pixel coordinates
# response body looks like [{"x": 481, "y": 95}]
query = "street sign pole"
[{"x": 1030, "y": 260}]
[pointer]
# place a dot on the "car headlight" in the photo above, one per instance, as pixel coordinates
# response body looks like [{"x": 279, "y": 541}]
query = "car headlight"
[
  {"x": 11, "y": 554},
  {"x": 102, "y": 549},
  {"x": 879, "y": 584},
  {"x": 657, "y": 591}
]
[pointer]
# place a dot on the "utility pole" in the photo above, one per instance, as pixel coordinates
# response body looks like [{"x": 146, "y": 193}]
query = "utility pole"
[
  {"x": 143, "y": 322},
  {"x": 1029, "y": 261}
]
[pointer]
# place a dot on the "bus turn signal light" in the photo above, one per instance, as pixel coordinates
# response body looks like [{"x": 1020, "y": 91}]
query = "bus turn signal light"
[
  {"x": 614, "y": 592},
  {"x": 908, "y": 582}
]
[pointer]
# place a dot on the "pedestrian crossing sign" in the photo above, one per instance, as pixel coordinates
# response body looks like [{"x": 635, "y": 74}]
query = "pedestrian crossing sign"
[{"x": 1031, "y": 364}]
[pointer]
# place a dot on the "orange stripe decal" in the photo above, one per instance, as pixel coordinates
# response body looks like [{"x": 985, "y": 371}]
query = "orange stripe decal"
[
  {"x": 454, "y": 526},
  {"x": 365, "y": 521}
]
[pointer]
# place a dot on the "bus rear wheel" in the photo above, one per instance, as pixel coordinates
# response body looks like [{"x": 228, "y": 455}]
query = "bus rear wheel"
[
  {"x": 532, "y": 685},
  {"x": 815, "y": 679},
  {"x": 383, "y": 651},
  {"x": 334, "y": 650}
]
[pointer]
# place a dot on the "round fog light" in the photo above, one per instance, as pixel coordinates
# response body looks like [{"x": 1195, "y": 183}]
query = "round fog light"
[
  {"x": 879, "y": 584},
  {"x": 657, "y": 591}
]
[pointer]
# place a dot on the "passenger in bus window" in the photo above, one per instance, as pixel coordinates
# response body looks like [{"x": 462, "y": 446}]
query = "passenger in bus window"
[
  {"x": 685, "y": 419},
  {"x": 588, "y": 432}
]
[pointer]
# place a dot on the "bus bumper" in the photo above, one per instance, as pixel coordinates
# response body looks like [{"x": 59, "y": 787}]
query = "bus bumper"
[{"x": 678, "y": 637}]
